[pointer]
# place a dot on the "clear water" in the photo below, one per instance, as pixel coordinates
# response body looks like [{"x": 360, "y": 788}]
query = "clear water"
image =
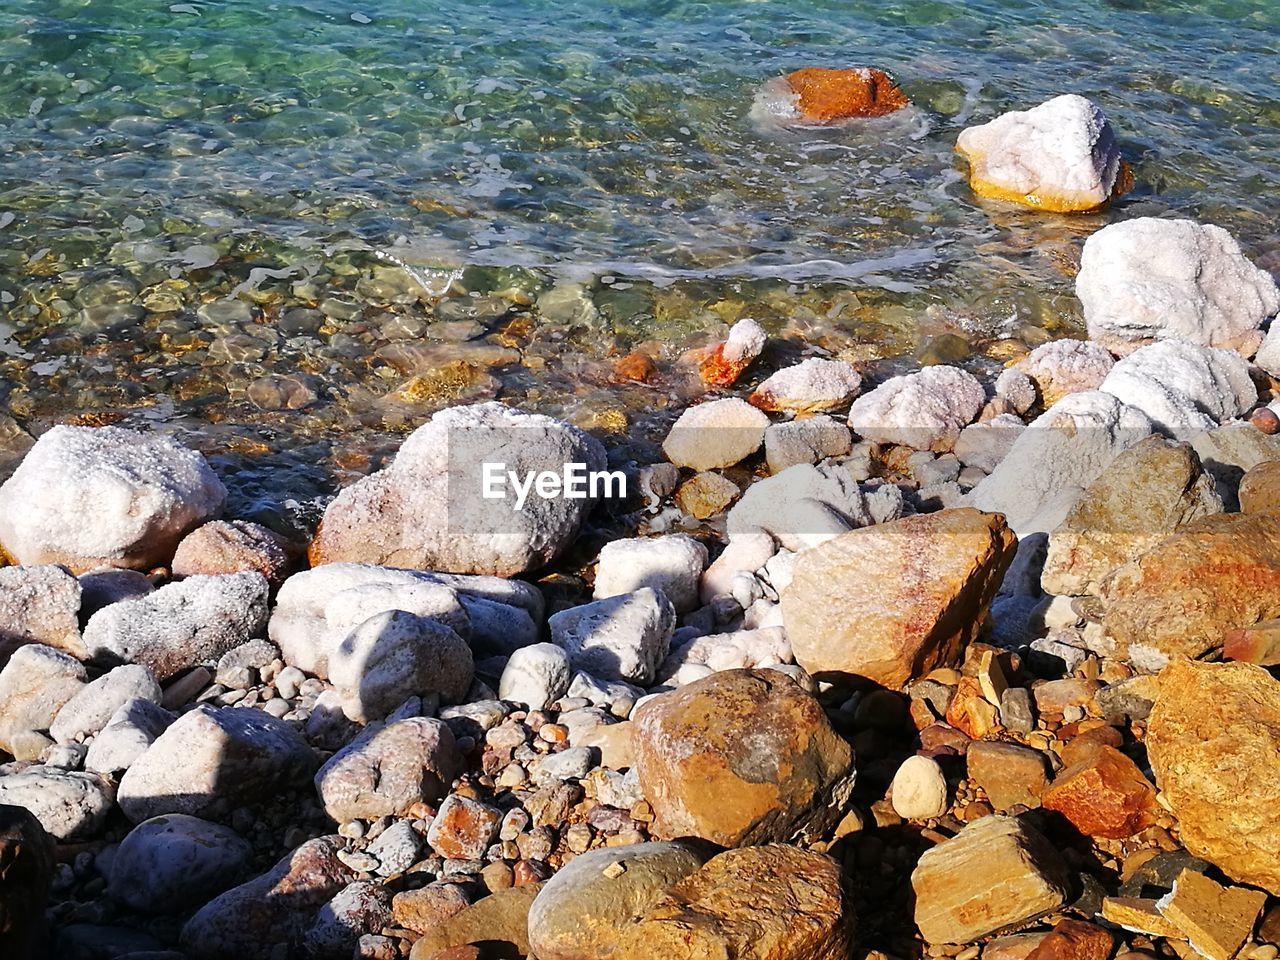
[{"x": 353, "y": 160}]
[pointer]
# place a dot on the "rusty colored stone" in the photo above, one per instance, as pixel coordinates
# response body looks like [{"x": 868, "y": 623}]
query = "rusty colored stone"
[
  {"x": 1074, "y": 940},
  {"x": 1216, "y": 919},
  {"x": 1266, "y": 420},
  {"x": 499, "y": 921},
  {"x": 829, "y": 95},
  {"x": 1259, "y": 643},
  {"x": 1104, "y": 795},
  {"x": 706, "y": 494},
  {"x": 719, "y": 370},
  {"x": 970, "y": 712},
  {"x": 637, "y": 365},
  {"x": 1087, "y": 742},
  {"x": 428, "y": 907},
  {"x": 741, "y": 756}
]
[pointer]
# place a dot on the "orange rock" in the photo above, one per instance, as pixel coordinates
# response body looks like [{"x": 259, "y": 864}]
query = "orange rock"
[
  {"x": 1104, "y": 795},
  {"x": 829, "y": 95},
  {"x": 718, "y": 370},
  {"x": 970, "y": 712},
  {"x": 1074, "y": 940},
  {"x": 636, "y": 365},
  {"x": 1086, "y": 743}
]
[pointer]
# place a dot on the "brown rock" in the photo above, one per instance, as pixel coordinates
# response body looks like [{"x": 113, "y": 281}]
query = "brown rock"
[
  {"x": 1139, "y": 915},
  {"x": 1074, "y": 940},
  {"x": 1057, "y": 695},
  {"x": 636, "y": 365},
  {"x": 706, "y": 494},
  {"x": 829, "y": 95},
  {"x": 1216, "y": 919},
  {"x": 995, "y": 874},
  {"x": 1149, "y": 491},
  {"x": 1260, "y": 488},
  {"x": 1181, "y": 597},
  {"x": 1011, "y": 775},
  {"x": 428, "y": 907},
  {"x": 1214, "y": 743},
  {"x": 1088, "y": 741},
  {"x": 892, "y": 601},
  {"x": 222, "y": 546},
  {"x": 26, "y": 870},
  {"x": 1104, "y": 795},
  {"x": 614, "y": 741},
  {"x": 498, "y": 923},
  {"x": 1013, "y": 947},
  {"x": 463, "y": 828},
  {"x": 741, "y": 756},
  {"x": 759, "y": 903},
  {"x": 971, "y": 712}
]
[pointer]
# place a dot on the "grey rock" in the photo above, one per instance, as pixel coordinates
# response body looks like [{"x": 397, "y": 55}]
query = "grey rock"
[
  {"x": 619, "y": 638},
  {"x": 69, "y": 805},
  {"x": 170, "y": 863},
  {"x": 93, "y": 706},
  {"x": 131, "y": 730},
  {"x": 359, "y": 908}
]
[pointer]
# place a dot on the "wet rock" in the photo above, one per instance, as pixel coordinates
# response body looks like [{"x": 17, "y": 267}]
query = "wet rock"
[
  {"x": 924, "y": 410},
  {"x": 69, "y": 805},
  {"x": 760, "y": 903},
  {"x": 672, "y": 564},
  {"x": 1148, "y": 492},
  {"x": 209, "y": 759},
  {"x": 233, "y": 546},
  {"x": 919, "y": 789},
  {"x": 724, "y": 362},
  {"x": 1067, "y": 447},
  {"x": 387, "y": 770},
  {"x": 1060, "y": 367},
  {"x": 995, "y": 874},
  {"x": 536, "y": 676},
  {"x": 1060, "y": 156},
  {"x": 148, "y": 491},
  {"x": 1151, "y": 279},
  {"x": 499, "y": 922},
  {"x": 811, "y": 386},
  {"x": 715, "y": 434},
  {"x": 359, "y": 908},
  {"x": 251, "y": 920},
  {"x": 1214, "y": 743},
  {"x": 404, "y": 516},
  {"x": 1182, "y": 596},
  {"x": 803, "y": 441},
  {"x": 39, "y": 605},
  {"x": 182, "y": 624},
  {"x": 893, "y": 601},
  {"x": 583, "y": 911},
  {"x": 171, "y": 863},
  {"x": 1104, "y": 795},
  {"x": 1009, "y": 774},
  {"x": 93, "y": 706},
  {"x": 134, "y": 726},
  {"x": 34, "y": 686},
  {"x": 740, "y": 757},
  {"x": 619, "y": 638},
  {"x": 26, "y": 871},
  {"x": 395, "y": 655},
  {"x": 826, "y": 95}
]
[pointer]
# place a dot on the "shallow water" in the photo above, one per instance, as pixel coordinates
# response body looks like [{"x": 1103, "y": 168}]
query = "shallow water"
[{"x": 237, "y": 217}]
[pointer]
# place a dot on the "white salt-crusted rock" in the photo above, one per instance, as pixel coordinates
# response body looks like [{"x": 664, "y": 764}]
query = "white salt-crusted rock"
[
  {"x": 182, "y": 624},
  {"x": 503, "y": 614},
  {"x": 748, "y": 649},
  {"x": 746, "y": 552},
  {"x": 92, "y": 708},
  {"x": 672, "y": 564},
  {"x": 88, "y": 497},
  {"x": 1183, "y": 388},
  {"x": 39, "y": 604},
  {"x": 536, "y": 676},
  {"x": 1016, "y": 389},
  {"x": 810, "y": 386},
  {"x": 925, "y": 410},
  {"x": 715, "y": 434},
  {"x": 70, "y": 806},
  {"x": 1154, "y": 279},
  {"x": 172, "y": 863},
  {"x": 215, "y": 760},
  {"x": 618, "y": 638},
  {"x": 1060, "y": 367},
  {"x": 985, "y": 444},
  {"x": 429, "y": 509},
  {"x": 34, "y": 685},
  {"x": 1060, "y": 156},
  {"x": 804, "y": 441},
  {"x": 1062, "y": 450},
  {"x": 133, "y": 728},
  {"x": 396, "y": 655}
]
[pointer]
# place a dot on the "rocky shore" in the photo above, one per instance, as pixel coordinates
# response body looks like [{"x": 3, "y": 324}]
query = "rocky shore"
[{"x": 938, "y": 666}]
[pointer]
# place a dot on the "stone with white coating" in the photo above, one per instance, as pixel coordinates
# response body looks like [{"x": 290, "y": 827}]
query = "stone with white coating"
[
  {"x": 715, "y": 434},
  {"x": 1060, "y": 367},
  {"x": 811, "y": 386},
  {"x": 924, "y": 410},
  {"x": 173, "y": 862},
  {"x": 1059, "y": 156},
  {"x": 192, "y": 621},
  {"x": 672, "y": 564},
  {"x": 618, "y": 638},
  {"x": 536, "y": 676},
  {"x": 395, "y": 655},
  {"x": 1154, "y": 279},
  {"x": 986, "y": 443},
  {"x": 70, "y": 806},
  {"x": 147, "y": 492},
  {"x": 39, "y": 605},
  {"x": 807, "y": 440},
  {"x": 134, "y": 727},
  {"x": 741, "y": 649},
  {"x": 919, "y": 789},
  {"x": 92, "y": 707},
  {"x": 34, "y": 685}
]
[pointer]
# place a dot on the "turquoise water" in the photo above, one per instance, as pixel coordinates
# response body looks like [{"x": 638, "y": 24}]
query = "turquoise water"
[{"x": 334, "y": 166}]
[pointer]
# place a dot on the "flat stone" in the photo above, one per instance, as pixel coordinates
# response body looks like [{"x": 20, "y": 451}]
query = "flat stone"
[
  {"x": 69, "y": 805},
  {"x": 811, "y": 386},
  {"x": 426, "y": 908},
  {"x": 1009, "y": 774},
  {"x": 804, "y": 441},
  {"x": 1216, "y": 919}
]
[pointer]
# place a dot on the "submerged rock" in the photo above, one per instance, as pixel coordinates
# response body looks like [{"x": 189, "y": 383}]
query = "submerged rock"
[
  {"x": 146, "y": 493},
  {"x": 1060, "y": 156},
  {"x": 827, "y": 95},
  {"x": 1154, "y": 279}
]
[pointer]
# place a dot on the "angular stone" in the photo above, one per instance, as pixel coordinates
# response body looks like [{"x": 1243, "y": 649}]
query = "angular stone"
[
  {"x": 1259, "y": 643},
  {"x": 1139, "y": 915},
  {"x": 811, "y": 386},
  {"x": 893, "y": 601},
  {"x": 500, "y": 921},
  {"x": 1149, "y": 491},
  {"x": 724, "y": 362},
  {"x": 1214, "y": 743},
  {"x": 424, "y": 909},
  {"x": 128, "y": 734},
  {"x": 971, "y": 712},
  {"x": 1230, "y": 450},
  {"x": 1074, "y": 940},
  {"x": 93, "y": 706},
  {"x": 995, "y": 874},
  {"x": 1216, "y": 919},
  {"x": 585, "y": 909},
  {"x": 172, "y": 863},
  {"x": 34, "y": 686},
  {"x": 536, "y": 676},
  {"x": 742, "y": 756},
  {"x": 1060, "y": 156},
  {"x": 463, "y": 828},
  {"x": 215, "y": 758},
  {"x": 924, "y": 410},
  {"x": 706, "y": 494},
  {"x": 39, "y": 605},
  {"x": 715, "y": 434},
  {"x": 619, "y": 638},
  {"x": 1009, "y": 774},
  {"x": 760, "y": 903},
  {"x": 1104, "y": 795},
  {"x": 1182, "y": 596},
  {"x": 386, "y": 770}
]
